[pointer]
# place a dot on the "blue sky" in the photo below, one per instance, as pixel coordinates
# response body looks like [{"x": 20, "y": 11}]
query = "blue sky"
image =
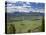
[
  {"x": 34, "y": 5},
  {"x": 25, "y": 6}
]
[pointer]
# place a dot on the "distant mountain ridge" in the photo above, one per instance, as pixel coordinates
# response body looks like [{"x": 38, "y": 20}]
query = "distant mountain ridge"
[{"x": 25, "y": 14}]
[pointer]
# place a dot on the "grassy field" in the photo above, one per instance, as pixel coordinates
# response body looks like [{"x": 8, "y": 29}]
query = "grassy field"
[{"x": 25, "y": 26}]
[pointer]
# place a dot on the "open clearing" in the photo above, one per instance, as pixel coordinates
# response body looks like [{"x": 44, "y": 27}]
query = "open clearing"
[{"x": 25, "y": 25}]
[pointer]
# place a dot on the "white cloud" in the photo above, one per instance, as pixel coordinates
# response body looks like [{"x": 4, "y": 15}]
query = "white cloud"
[
  {"x": 23, "y": 9},
  {"x": 27, "y": 2},
  {"x": 8, "y": 5},
  {"x": 20, "y": 9}
]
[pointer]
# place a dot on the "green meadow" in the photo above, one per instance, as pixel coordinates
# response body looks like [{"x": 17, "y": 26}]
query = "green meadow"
[{"x": 25, "y": 24}]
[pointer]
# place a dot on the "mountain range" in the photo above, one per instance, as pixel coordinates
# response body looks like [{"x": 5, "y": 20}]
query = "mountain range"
[{"x": 25, "y": 14}]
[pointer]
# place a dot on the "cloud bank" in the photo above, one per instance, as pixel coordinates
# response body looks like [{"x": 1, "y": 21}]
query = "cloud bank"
[{"x": 25, "y": 7}]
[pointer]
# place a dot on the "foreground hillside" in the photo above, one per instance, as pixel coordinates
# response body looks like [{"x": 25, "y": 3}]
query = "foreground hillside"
[{"x": 24, "y": 23}]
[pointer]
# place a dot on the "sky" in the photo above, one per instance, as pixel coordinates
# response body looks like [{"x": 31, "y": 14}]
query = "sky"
[
  {"x": 16, "y": 0},
  {"x": 24, "y": 6}
]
